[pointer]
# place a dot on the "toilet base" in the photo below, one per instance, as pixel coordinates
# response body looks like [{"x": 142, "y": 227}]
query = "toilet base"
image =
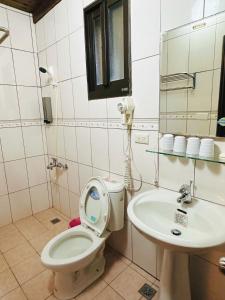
[{"x": 69, "y": 285}]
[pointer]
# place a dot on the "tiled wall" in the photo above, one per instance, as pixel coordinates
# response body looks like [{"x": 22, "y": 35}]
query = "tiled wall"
[
  {"x": 23, "y": 179},
  {"x": 90, "y": 138}
]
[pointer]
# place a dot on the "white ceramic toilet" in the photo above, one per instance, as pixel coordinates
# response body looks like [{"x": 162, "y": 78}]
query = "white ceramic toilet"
[{"x": 76, "y": 255}]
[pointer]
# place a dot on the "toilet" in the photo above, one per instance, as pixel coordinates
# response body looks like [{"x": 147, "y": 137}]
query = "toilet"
[{"x": 76, "y": 255}]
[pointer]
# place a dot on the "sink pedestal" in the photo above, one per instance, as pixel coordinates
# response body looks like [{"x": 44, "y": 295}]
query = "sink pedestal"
[{"x": 174, "y": 281}]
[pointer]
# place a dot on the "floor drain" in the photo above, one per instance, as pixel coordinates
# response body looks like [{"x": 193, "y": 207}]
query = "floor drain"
[
  {"x": 147, "y": 291},
  {"x": 55, "y": 221}
]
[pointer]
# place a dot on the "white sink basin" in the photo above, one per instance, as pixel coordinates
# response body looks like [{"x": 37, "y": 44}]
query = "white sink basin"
[
  {"x": 202, "y": 228},
  {"x": 153, "y": 213}
]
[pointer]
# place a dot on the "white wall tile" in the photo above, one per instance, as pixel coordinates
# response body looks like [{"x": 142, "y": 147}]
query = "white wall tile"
[
  {"x": 39, "y": 198},
  {"x": 16, "y": 174},
  {"x": 52, "y": 60},
  {"x": 20, "y": 205},
  {"x": 63, "y": 52},
  {"x": 24, "y": 68},
  {"x": 36, "y": 170},
  {"x": 84, "y": 145},
  {"x": 61, "y": 20},
  {"x": 75, "y": 14},
  {"x": 122, "y": 240},
  {"x": 74, "y": 205},
  {"x": 3, "y": 184},
  {"x": 73, "y": 177},
  {"x": 4, "y": 23},
  {"x": 66, "y": 93},
  {"x": 81, "y": 103},
  {"x": 85, "y": 173},
  {"x": 64, "y": 201},
  {"x": 97, "y": 109},
  {"x": 116, "y": 152},
  {"x": 55, "y": 196},
  {"x": 209, "y": 182},
  {"x": 176, "y": 13},
  {"x": 20, "y": 31},
  {"x": 147, "y": 165},
  {"x": 8, "y": 103},
  {"x": 200, "y": 98},
  {"x": 50, "y": 28},
  {"x": 202, "y": 41},
  {"x": 145, "y": 30},
  {"x": 33, "y": 141},
  {"x": 29, "y": 102},
  {"x": 100, "y": 146},
  {"x": 70, "y": 143},
  {"x": 6, "y": 66},
  {"x": 145, "y": 80},
  {"x": 213, "y": 7},
  {"x": 77, "y": 52},
  {"x": 173, "y": 167},
  {"x": 40, "y": 34},
  {"x": 12, "y": 143},
  {"x": 144, "y": 251},
  {"x": 5, "y": 212}
]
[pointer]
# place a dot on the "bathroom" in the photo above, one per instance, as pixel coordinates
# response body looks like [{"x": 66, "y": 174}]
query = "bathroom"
[{"x": 66, "y": 130}]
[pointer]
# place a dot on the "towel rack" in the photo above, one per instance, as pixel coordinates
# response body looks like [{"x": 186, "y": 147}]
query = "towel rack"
[
  {"x": 178, "y": 77},
  {"x": 5, "y": 35}
]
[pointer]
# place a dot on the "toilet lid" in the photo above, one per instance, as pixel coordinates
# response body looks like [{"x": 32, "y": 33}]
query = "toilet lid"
[{"x": 95, "y": 205}]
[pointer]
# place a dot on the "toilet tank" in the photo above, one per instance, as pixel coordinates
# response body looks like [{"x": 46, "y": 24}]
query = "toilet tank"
[{"x": 116, "y": 194}]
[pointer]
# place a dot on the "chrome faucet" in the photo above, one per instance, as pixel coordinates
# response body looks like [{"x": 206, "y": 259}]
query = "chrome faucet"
[
  {"x": 55, "y": 164},
  {"x": 185, "y": 197}
]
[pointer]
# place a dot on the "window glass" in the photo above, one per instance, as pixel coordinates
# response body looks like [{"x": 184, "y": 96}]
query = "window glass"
[
  {"x": 98, "y": 50},
  {"x": 116, "y": 41}
]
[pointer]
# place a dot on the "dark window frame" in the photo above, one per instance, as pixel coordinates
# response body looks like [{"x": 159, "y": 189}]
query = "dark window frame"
[{"x": 109, "y": 89}]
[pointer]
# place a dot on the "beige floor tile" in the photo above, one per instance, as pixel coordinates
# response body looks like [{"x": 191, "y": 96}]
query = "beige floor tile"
[
  {"x": 3, "y": 264},
  {"x": 128, "y": 283},
  {"x": 93, "y": 290},
  {"x": 46, "y": 216},
  {"x": 30, "y": 227},
  {"x": 109, "y": 294},
  {"x": 7, "y": 282},
  {"x": 40, "y": 287},
  {"x": 27, "y": 269},
  {"x": 52, "y": 297},
  {"x": 16, "y": 294},
  {"x": 11, "y": 240},
  {"x": 6, "y": 230},
  {"x": 114, "y": 266},
  {"x": 38, "y": 243},
  {"x": 19, "y": 254},
  {"x": 146, "y": 275}
]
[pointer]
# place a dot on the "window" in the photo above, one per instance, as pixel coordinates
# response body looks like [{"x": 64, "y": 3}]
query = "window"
[{"x": 107, "y": 49}]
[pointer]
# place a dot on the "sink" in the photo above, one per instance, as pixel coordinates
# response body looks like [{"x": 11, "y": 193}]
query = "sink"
[{"x": 180, "y": 229}]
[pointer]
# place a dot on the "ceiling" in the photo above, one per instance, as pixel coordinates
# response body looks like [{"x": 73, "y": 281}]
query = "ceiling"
[{"x": 37, "y": 7}]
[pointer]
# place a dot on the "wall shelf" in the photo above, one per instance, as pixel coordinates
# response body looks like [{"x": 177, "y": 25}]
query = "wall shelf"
[{"x": 184, "y": 155}]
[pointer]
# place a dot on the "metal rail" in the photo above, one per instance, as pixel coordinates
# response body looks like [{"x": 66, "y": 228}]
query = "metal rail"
[{"x": 178, "y": 77}]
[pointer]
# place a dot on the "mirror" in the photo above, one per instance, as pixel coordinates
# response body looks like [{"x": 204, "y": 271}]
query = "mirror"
[{"x": 192, "y": 79}]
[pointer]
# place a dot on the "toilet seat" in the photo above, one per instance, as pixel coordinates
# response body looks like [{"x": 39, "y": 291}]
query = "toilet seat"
[
  {"x": 95, "y": 205},
  {"x": 71, "y": 238}
]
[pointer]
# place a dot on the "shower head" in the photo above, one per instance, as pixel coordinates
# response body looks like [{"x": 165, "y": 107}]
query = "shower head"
[
  {"x": 50, "y": 73},
  {"x": 43, "y": 70}
]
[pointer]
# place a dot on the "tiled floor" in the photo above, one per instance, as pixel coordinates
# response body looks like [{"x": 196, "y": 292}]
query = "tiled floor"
[{"x": 22, "y": 275}]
